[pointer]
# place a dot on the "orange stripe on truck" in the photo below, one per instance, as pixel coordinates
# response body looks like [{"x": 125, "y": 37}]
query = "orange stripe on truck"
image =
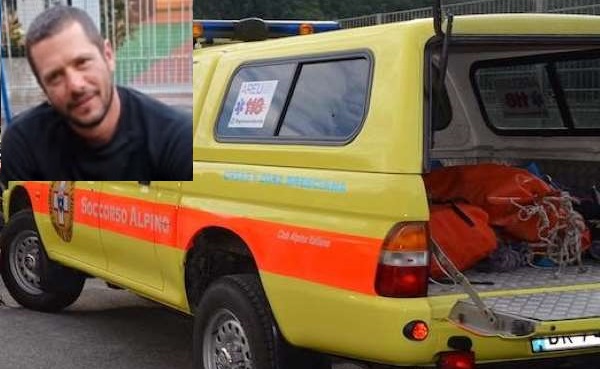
[
  {"x": 39, "y": 195},
  {"x": 144, "y": 220},
  {"x": 329, "y": 258}
]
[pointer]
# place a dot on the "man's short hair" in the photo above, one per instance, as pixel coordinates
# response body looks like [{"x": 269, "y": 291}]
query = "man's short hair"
[{"x": 55, "y": 19}]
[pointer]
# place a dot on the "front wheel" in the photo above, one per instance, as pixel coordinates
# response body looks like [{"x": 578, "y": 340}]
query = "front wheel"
[
  {"x": 234, "y": 329},
  {"x": 32, "y": 279}
]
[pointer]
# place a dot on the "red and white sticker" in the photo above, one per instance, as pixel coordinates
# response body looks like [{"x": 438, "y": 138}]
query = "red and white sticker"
[
  {"x": 521, "y": 97},
  {"x": 252, "y": 104}
]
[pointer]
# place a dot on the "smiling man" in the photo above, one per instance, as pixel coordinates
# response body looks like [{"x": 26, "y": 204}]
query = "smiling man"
[{"x": 90, "y": 129}]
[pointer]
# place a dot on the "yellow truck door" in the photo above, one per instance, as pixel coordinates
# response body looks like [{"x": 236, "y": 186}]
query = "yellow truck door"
[
  {"x": 70, "y": 230},
  {"x": 127, "y": 231}
]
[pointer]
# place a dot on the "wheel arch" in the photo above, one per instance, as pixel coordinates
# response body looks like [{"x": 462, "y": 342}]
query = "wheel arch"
[
  {"x": 215, "y": 252},
  {"x": 19, "y": 200}
]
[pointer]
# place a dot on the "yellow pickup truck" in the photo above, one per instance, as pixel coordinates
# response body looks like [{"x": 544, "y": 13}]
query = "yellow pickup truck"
[{"x": 306, "y": 228}]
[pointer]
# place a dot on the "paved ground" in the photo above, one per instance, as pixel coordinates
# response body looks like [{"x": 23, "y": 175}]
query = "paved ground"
[
  {"x": 115, "y": 329},
  {"x": 104, "y": 329}
]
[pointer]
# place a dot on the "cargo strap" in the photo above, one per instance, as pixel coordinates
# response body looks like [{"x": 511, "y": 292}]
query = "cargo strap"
[{"x": 457, "y": 277}]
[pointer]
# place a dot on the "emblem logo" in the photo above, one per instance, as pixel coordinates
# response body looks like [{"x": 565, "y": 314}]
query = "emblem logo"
[{"x": 61, "y": 208}]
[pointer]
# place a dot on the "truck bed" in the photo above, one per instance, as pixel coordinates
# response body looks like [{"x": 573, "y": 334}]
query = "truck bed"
[
  {"x": 539, "y": 305},
  {"x": 522, "y": 278}
]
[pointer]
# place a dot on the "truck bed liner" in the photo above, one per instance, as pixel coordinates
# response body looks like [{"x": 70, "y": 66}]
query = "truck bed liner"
[
  {"x": 522, "y": 278},
  {"x": 549, "y": 306}
]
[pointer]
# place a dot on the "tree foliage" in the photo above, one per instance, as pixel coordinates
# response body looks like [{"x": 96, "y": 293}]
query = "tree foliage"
[{"x": 299, "y": 9}]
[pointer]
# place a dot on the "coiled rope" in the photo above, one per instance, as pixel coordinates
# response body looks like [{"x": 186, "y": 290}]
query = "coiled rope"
[{"x": 560, "y": 242}]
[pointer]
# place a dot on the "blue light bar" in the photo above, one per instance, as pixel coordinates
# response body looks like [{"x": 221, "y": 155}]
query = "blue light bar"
[
  {"x": 260, "y": 29},
  {"x": 289, "y": 28}
]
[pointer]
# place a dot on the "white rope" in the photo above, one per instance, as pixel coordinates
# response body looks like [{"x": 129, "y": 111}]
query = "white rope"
[{"x": 561, "y": 243}]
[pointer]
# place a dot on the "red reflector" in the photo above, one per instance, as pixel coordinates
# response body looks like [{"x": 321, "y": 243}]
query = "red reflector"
[
  {"x": 416, "y": 330},
  {"x": 457, "y": 360},
  {"x": 405, "y": 281}
]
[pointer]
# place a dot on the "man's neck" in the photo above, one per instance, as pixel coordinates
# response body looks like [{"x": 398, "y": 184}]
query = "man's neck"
[{"x": 103, "y": 132}]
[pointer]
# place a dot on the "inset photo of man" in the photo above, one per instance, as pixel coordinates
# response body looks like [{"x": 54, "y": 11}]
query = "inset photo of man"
[{"x": 116, "y": 92}]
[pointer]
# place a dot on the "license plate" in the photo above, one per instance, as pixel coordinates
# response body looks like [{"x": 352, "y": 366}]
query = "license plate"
[{"x": 561, "y": 343}]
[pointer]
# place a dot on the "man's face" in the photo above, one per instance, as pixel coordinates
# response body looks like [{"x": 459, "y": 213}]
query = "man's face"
[{"x": 75, "y": 75}]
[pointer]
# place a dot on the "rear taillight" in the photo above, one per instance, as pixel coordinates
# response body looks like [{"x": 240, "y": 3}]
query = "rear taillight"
[
  {"x": 457, "y": 360},
  {"x": 403, "y": 268}
]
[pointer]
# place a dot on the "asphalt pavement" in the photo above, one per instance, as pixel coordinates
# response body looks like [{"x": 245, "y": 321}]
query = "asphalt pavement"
[
  {"x": 105, "y": 328},
  {"x": 115, "y": 329}
]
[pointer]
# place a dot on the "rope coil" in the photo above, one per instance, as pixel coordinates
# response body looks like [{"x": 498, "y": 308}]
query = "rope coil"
[{"x": 561, "y": 242}]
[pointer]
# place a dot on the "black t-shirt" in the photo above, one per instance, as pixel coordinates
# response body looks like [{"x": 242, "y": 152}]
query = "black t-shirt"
[{"x": 153, "y": 142}]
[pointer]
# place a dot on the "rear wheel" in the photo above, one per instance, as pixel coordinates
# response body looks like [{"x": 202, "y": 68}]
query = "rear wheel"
[
  {"x": 32, "y": 279},
  {"x": 234, "y": 329}
]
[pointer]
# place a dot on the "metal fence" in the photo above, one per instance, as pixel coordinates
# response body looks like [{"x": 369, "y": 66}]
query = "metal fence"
[
  {"x": 591, "y": 7},
  {"x": 152, "y": 39}
]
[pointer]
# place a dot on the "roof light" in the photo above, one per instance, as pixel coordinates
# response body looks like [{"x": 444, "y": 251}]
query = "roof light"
[
  {"x": 251, "y": 28},
  {"x": 305, "y": 29},
  {"x": 197, "y": 30}
]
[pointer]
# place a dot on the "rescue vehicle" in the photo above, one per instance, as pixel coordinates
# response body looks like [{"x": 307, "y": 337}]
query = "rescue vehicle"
[{"x": 308, "y": 228}]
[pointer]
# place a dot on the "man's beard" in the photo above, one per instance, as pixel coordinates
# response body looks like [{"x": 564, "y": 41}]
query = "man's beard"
[{"x": 95, "y": 123}]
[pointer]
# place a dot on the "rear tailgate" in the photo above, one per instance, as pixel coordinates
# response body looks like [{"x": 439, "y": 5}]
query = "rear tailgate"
[{"x": 538, "y": 312}]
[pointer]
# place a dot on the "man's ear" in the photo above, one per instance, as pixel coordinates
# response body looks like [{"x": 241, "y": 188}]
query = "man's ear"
[{"x": 109, "y": 55}]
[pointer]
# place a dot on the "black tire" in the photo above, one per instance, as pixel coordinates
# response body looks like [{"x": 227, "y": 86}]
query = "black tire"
[
  {"x": 234, "y": 322},
  {"x": 31, "y": 278}
]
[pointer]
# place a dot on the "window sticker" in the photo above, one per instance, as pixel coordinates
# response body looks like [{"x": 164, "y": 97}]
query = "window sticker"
[
  {"x": 252, "y": 104},
  {"x": 521, "y": 97}
]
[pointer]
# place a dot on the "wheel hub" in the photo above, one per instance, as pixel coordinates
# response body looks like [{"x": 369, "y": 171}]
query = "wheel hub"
[
  {"x": 30, "y": 262},
  {"x": 24, "y": 261},
  {"x": 223, "y": 358},
  {"x": 226, "y": 345}
]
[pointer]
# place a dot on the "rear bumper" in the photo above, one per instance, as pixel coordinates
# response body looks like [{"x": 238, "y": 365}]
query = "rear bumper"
[{"x": 369, "y": 328}]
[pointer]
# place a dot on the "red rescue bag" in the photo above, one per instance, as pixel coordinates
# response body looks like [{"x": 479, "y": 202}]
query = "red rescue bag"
[
  {"x": 497, "y": 189},
  {"x": 462, "y": 232}
]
